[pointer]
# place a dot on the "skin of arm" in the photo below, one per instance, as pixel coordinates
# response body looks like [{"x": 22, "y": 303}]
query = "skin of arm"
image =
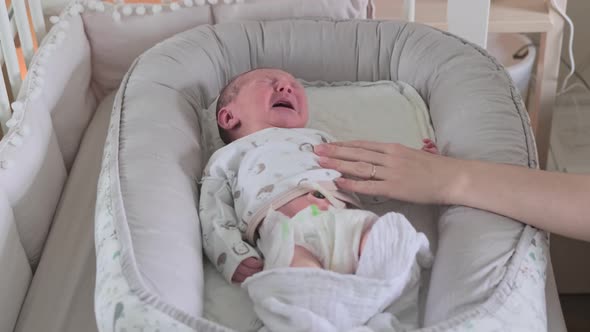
[{"x": 556, "y": 202}]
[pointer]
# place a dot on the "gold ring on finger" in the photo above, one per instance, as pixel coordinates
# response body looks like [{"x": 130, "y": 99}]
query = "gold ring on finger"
[{"x": 373, "y": 172}]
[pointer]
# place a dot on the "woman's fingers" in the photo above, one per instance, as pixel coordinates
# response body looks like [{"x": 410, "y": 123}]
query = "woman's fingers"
[
  {"x": 357, "y": 169},
  {"x": 371, "y": 146},
  {"x": 350, "y": 153},
  {"x": 376, "y": 188}
]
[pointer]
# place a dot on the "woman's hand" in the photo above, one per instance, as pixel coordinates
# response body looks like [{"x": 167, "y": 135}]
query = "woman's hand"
[{"x": 421, "y": 176}]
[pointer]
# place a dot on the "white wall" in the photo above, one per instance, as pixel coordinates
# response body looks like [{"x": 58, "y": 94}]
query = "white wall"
[{"x": 579, "y": 12}]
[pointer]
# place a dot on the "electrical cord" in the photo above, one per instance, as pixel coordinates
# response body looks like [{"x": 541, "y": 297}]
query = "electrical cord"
[{"x": 564, "y": 87}]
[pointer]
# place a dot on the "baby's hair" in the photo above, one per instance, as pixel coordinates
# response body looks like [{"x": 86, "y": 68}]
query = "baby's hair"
[{"x": 226, "y": 96}]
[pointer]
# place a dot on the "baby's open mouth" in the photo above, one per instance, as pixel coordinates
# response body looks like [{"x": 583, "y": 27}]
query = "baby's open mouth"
[{"x": 283, "y": 103}]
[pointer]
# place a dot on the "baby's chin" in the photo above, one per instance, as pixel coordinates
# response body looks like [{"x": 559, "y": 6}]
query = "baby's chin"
[{"x": 289, "y": 122}]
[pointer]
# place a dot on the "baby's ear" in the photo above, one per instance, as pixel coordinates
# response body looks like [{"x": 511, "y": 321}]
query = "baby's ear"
[{"x": 226, "y": 119}]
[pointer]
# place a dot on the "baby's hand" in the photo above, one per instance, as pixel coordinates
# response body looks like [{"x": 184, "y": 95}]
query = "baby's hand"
[
  {"x": 247, "y": 268},
  {"x": 429, "y": 146}
]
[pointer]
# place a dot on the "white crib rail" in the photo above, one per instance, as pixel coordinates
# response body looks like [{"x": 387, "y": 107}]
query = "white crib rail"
[
  {"x": 469, "y": 19},
  {"x": 12, "y": 23},
  {"x": 410, "y": 10},
  {"x": 38, "y": 19},
  {"x": 24, "y": 32}
]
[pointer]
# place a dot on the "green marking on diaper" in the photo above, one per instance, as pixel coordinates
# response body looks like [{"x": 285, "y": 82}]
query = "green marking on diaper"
[
  {"x": 532, "y": 254},
  {"x": 285, "y": 227},
  {"x": 315, "y": 211}
]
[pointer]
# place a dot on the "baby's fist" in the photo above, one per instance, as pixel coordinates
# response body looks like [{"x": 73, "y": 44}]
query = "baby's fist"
[
  {"x": 429, "y": 146},
  {"x": 247, "y": 268}
]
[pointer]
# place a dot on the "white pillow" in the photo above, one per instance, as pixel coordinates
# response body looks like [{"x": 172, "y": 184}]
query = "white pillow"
[{"x": 382, "y": 111}]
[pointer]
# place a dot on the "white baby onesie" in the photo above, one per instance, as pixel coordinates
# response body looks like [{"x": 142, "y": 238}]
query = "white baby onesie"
[
  {"x": 332, "y": 236},
  {"x": 243, "y": 179}
]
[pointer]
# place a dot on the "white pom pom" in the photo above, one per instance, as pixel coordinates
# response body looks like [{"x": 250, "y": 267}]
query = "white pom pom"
[
  {"x": 16, "y": 141},
  {"x": 6, "y": 164},
  {"x": 24, "y": 131},
  {"x": 127, "y": 10},
  {"x": 140, "y": 10},
  {"x": 54, "y": 19},
  {"x": 174, "y": 6},
  {"x": 17, "y": 106},
  {"x": 188, "y": 3},
  {"x": 156, "y": 9},
  {"x": 39, "y": 71},
  {"x": 116, "y": 16},
  {"x": 100, "y": 6},
  {"x": 60, "y": 36},
  {"x": 35, "y": 93},
  {"x": 200, "y": 2},
  {"x": 41, "y": 57},
  {"x": 91, "y": 4},
  {"x": 39, "y": 81},
  {"x": 11, "y": 123},
  {"x": 213, "y": 2},
  {"x": 64, "y": 24}
]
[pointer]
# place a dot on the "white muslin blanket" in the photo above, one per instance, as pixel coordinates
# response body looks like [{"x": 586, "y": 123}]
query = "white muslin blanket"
[{"x": 385, "y": 284}]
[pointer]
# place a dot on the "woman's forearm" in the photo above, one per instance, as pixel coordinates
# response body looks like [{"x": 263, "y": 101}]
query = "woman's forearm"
[{"x": 556, "y": 202}]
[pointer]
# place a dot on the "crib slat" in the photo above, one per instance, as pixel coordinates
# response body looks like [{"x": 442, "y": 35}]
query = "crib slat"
[
  {"x": 9, "y": 50},
  {"x": 4, "y": 104},
  {"x": 24, "y": 32},
  {"x": 473, "y": 27},
  {"x": 38, "y": 19},
  {"x": 410, "y": 10}
]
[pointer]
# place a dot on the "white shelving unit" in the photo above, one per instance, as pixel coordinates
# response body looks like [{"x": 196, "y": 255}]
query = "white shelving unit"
[{"x": 505, "y": 16}]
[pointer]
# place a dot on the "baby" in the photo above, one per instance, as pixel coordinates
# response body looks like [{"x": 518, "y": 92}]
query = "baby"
[{"x": 268, "y": 164}]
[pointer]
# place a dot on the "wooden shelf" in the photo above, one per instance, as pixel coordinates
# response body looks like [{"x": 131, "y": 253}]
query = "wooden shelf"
[{"x": 505, "y": 15}]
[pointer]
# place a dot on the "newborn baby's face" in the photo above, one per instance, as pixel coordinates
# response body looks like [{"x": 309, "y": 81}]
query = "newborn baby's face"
[{"x": 271, "y": 98}]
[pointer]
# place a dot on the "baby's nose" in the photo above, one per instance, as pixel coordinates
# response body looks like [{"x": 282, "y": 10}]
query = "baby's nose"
[{"x": 285, "y": 87}]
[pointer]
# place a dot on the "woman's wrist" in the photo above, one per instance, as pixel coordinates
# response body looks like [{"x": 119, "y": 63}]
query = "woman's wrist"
[{"x": 457, "y": 181}]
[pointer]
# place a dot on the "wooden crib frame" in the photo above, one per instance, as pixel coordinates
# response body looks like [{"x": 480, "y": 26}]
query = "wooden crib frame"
[{"x": 22, "y": 16}]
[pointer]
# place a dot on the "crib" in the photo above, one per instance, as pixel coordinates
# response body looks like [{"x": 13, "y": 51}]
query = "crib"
[{"x": 55, "y": 123}]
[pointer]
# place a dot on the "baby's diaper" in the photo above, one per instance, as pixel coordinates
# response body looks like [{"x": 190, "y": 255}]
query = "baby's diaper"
[{"x": 332, "y": 236}]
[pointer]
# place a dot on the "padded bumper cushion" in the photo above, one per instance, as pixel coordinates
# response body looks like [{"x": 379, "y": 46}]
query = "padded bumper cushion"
[{"x": 148, "y": 238}]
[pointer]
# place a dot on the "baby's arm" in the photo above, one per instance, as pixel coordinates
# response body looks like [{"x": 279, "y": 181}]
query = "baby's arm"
[{"x": 222, "y": 241}]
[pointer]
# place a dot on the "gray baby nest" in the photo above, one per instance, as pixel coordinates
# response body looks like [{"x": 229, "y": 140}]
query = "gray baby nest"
[{"x": 149, "y": 260}]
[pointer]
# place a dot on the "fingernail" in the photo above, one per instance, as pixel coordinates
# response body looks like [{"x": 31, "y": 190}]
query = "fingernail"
[
  {"x": 319, "y": 148},
  {"x": 322, "y": 160}
]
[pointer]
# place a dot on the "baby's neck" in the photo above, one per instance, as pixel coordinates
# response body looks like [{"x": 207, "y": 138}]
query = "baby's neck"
[{"x": 244, "y": 133}]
